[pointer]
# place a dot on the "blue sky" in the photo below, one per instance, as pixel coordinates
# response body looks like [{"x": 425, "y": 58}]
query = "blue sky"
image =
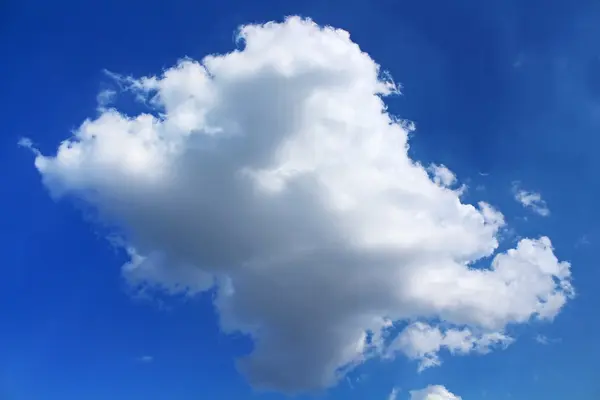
[{"x": 501, "y": 92}]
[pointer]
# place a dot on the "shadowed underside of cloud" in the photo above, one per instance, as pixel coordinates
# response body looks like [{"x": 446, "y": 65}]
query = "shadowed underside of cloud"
[{"x": 275, "y": 173}]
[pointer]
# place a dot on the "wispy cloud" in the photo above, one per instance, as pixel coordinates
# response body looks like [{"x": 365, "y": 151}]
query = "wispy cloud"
[
  {"x": 394, "y": 394},
  {"x": 583, "y": 241},
  {"x": 542, "y": 339},
  {"x": 531, "y": 200},
  {"x": 28, "y": 144},
  {"x": 104, "y": 98},
  {"x": 433, "y": 392},
  {"x": 145, "y": 359}
]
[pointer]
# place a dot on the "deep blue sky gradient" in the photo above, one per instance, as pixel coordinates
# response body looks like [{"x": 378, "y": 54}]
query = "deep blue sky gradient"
[{"x": 506, "y": 88}]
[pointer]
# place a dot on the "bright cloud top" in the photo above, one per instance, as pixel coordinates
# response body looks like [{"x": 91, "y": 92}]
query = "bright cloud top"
[
  {"x": 433, "y": 392},
  {"x": 275, "y": 173},
  {"x": 531, "y": 200}
]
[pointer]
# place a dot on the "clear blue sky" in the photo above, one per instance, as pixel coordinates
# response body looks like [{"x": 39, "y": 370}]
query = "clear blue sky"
[{"x": 500, "y": 92}]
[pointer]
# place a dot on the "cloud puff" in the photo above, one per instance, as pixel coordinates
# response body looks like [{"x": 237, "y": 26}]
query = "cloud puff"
[
  {"x": 275, "y": 174},
  {"x": 442, "y": 175},
  {"x": 541, "y": 339},
  {"x": 393, "y": 394},
  {"x": 531, "y": 200},
  {"x": 104, "y": 99},
  {"x": 433, "y": 392},
  {"x": 545, "y": 340},
  {"x": 421, "y": 341}
]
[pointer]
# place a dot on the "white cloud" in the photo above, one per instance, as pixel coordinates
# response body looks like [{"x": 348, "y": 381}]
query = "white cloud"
[
  {"x": 531, "y": 200},
  {"x": 105, "y": 98},
  {"x": 393, "y": 394},
  {"x": 433, "y": 392},
  {"x": 543, "y": 339},
  {"x": 442, "y": 175},
  {"x": 275, "y": 173},
  {"x": 146, "y": 359},
  {"x": 28, "y": 144},
  {"x": 420, "y": 341}
]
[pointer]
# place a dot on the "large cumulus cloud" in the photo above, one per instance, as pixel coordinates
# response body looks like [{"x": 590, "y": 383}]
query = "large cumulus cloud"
[{"x": 275, "y": 173}]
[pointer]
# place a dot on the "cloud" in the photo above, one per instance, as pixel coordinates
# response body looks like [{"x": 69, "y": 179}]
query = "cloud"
[
  {"x": 583, "y": 241},
  {"x": 433, "y": 392},
  {"x": 541, "y": 339},
  {"x": 145, "y": 359},
  {"x": 275, "y": 175},
  {"x": 545, "y": 340},
  {"x": 105, "y": 98},
  {"x": 422, "y": 342},
  {"x": 531, "y": 200},
  {"x": 442, "y": 175},
  {"x": 28, "y": 144},
  {"x": 393, "y": 394}
]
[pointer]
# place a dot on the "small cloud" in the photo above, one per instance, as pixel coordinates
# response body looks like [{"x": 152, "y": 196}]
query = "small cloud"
[
  {"x": 145, "y": 359},
  {"x": 433, "y": 392},
  {"x": 28, "y": 144},
  {"x": 104, "y": 98},
  {"x": 531, "y": 200},
  {"x": 353, "y": 381},
  {"x": 541, "y": 339},
  {"x": 25, "y": 142},
  {"x": 349, "y": 382},
  {"x": 583, "y": 241},
  {"x": 545, "y": 340},
  {"x": 442, "y": 175},
  {"x": 423, "y": 342},
  {"x": 394, "y": 394}
]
